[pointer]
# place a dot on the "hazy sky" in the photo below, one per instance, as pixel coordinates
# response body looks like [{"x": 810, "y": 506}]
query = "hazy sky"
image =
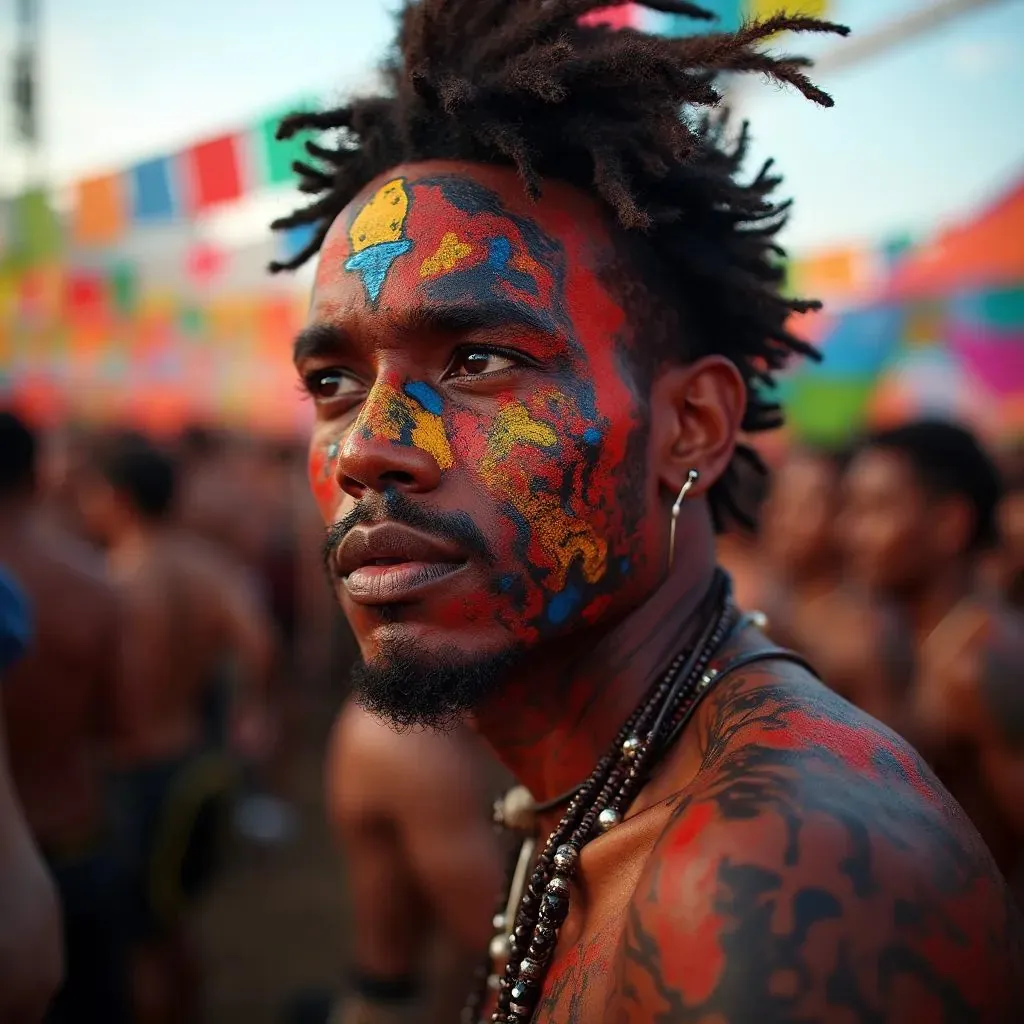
[{"x": 916, "y": 136}]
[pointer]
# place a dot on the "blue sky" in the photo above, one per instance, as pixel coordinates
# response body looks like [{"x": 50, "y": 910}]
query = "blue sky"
[{"x": 917, "y": 137}]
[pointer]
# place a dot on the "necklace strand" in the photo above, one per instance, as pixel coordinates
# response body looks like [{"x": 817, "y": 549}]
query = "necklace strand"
[{"x": 520, "y": 956}]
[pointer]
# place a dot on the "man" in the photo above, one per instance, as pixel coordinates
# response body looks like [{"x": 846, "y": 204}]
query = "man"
[
  {"x": 60, "y": 704},
  {"x": 542, "y": 303},
  {"x": 188, "y": 612},
  {"x": 922, "y": 501},
  {"x": 30, "y": 932},
  {"x": 810, "y": 607},
  {"x": 422, "y": 863}
]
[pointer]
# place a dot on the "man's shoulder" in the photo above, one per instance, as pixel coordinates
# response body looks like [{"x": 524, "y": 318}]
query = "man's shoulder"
[{"x": 815, "y": 867}]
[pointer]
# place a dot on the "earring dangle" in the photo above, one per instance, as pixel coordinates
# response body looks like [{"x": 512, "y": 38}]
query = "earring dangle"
[{"x": 691, "y": 478}]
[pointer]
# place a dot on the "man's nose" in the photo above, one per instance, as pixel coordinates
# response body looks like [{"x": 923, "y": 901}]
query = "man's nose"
[{"x": 393, "y": 444}]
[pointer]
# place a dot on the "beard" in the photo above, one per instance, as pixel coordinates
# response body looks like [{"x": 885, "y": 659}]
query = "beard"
[{"x": 405, "y": 689}]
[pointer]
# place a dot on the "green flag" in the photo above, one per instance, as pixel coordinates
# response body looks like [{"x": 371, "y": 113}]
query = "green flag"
[{"x": 276, "y": 156}]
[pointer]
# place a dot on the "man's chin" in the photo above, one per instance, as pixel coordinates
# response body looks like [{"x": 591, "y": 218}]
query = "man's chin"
[{"x": 407, "y": 686}]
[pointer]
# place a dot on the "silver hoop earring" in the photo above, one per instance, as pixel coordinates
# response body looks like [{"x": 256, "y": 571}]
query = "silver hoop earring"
[{"x": 691, "y": 478}]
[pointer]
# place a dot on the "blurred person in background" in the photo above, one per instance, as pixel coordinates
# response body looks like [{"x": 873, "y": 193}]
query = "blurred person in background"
[
  {"x": 188, "y": 612},
  {"x": 1005, "y": 568},
  {"x": 921, "y": 505},
  {"x": 424, "y": 869},
  {"x": 61, "y": 709},
  {"x": 31, "y": 960},
  {"x": 809, "y": 605},
  {"x": 739, "y": 542}
]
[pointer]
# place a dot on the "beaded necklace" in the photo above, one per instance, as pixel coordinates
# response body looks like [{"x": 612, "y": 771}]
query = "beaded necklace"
[{"x": 533, "y": 911}]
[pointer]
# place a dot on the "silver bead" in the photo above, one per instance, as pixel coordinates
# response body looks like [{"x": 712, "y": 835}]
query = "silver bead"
[
  {"x": 631, "y": 747},
  {"x": 499, "y": 923},
  {"x": 516, "y": 810},
  {"x": 759, "y": 620},
  {"x": 608, "y": 819},
  {"x": 558, "y": 887},
  {"x": 499, "y": 949},
  {"x": 566, "y": 857},
  {"x": 530, "y": 968},
  {"x": 708, "y": 678}
]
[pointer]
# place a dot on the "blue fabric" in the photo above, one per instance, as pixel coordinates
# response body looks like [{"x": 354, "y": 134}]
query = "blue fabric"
[{"x": 15, "y": 621}]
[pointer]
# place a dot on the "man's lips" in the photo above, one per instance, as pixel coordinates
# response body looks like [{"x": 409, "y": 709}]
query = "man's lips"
[{"x": 388, "y": 563}]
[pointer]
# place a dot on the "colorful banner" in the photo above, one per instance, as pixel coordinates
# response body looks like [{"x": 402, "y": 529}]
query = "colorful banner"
[{"x": 101, "y": 209}]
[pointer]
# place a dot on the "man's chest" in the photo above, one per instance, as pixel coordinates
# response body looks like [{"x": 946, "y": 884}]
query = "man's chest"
[{"x": 582, "y": 978}]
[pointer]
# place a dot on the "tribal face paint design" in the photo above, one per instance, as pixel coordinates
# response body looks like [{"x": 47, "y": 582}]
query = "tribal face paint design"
[
  {"x": 376, "y": 236},
  {"x": 410, "y": 415},
  {"x": 545, "y": 462}
]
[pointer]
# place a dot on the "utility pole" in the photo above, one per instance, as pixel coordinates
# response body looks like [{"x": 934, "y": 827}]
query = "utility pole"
[{"x": 25, "y": 89}]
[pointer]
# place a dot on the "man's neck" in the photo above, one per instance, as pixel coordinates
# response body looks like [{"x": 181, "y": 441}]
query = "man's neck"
[{"x": 554, "y": 721}]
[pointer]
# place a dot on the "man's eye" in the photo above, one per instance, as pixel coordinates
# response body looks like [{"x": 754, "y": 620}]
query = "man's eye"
[
  {"x": 325, "y": 385},
  {"x": 479, "y": 362}
]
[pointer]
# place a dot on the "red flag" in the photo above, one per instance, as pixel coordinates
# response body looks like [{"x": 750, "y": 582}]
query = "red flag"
[{"x": 214, "y": 172}]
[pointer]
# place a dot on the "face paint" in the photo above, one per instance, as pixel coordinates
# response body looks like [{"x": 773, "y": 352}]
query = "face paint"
[
  {"x": 546, "y": 462},
  {"x": 376, "y": 236},
  {"x": 513, "y": 467},
  {"x": 409, "y": 417}
]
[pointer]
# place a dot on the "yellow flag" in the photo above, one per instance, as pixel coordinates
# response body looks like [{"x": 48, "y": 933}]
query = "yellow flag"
[{"x": 760, "y": 10}]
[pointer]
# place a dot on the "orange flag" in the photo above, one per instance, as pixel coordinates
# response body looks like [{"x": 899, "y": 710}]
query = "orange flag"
[{"x": 100, "y": 210}]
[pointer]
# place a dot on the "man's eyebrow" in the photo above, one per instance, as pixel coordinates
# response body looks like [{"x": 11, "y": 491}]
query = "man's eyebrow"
[
  {"x": 318, "y": 340},
  {"x": 463, "y": 317}
]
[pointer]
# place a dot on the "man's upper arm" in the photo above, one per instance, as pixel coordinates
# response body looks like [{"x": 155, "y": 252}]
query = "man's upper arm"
[{"x": 791, "y": 917}]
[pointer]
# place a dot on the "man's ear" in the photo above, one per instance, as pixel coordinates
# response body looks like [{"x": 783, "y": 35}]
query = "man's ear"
[{"x": 696, "y": 413}]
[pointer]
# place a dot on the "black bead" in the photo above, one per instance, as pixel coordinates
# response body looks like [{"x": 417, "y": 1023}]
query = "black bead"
[{"x": 555, "y": 908}]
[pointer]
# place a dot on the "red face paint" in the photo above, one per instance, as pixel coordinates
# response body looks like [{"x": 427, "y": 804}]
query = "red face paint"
[{"x": 541, "y": 454}]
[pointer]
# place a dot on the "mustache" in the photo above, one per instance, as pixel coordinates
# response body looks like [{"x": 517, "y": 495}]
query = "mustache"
[{"x": 393, "y": 506}]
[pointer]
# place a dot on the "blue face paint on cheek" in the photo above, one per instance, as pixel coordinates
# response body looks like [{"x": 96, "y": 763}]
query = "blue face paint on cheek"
[
  {"x": 562, "y": 605},
  {"x": 425, "y": 395}
]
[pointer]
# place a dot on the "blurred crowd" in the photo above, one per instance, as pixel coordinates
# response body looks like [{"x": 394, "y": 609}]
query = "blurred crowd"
[{"x": 167, "y": 630}]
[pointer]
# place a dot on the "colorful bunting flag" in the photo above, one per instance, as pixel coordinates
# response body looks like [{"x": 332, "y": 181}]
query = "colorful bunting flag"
[
  {"x": 100, "y": 210},
  {"x": 729, "y": 16},
  {"x": 292, "y": 241},
  {"x": 213, "y": 171},
  {"x": 124, "y": 288},
  {"x": 275, "y": 156},
  {"x": 626, "y": 16},
  {"x": 154, "y": 198},
  {"x": 761, "y": 10},
  {"x": 35, "y": 234}
]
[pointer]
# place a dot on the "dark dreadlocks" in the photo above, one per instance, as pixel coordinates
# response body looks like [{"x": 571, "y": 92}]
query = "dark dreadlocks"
[{"x": 524, "y": 83}]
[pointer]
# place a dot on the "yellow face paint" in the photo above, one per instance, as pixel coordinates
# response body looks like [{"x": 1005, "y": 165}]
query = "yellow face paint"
[
  {"x": 382, "y": 218},
  {"x": 449, "y": 254},
  {"x": 562, "y": 537},
  {"x": 391, "y": 414}
]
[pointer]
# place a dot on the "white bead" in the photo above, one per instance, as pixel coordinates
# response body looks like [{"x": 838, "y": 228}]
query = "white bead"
[{"x": 608, "y": 819}]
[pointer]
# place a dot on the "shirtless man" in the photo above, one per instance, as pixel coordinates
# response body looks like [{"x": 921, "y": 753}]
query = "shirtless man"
[
  {"x": 30, "y": 931},
  {"x": 59, "y": 705},
  {"x": 424, "y": 869},
  {"x": 809, "y": 604},
  {"x": 188, "y": 612},
  {"x": 542, "y": 302},
  {"x": 921, "y": 508}
]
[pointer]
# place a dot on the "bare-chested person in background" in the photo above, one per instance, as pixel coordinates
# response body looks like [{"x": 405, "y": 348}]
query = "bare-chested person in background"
[
  {"x": 921, "y": 510},
  {"x": 423, "y": 863},
  {"x": 188, "y": 611},
  {"x": 60, "y": 709},
  {"x": 30, "y": 929},
  {"x": 810, "y": 606}
]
